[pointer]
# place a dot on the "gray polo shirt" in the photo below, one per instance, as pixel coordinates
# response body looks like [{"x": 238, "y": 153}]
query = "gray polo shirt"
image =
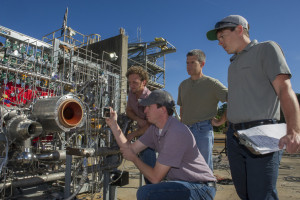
[
  {"x": 176, "y": 147},
  {"x": 251, "y": 95}
]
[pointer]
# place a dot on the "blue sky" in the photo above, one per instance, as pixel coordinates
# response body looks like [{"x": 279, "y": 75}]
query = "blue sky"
[{"x": 183, "y": 23}]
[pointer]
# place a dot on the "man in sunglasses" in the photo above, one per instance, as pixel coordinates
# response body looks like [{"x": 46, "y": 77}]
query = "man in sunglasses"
[{"x": 258, "y": 84}]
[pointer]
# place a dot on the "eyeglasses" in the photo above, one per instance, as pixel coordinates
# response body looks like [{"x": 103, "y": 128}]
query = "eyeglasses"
[
  {"x": 230, "y": 28},
  {"x": 222, "y": 36}
]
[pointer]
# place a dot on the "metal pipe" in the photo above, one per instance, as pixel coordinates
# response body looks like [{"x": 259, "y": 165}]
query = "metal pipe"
[
  {"x": 52, "y": 156},
  {"x": 20, "y": 128},
  {"x": 91, "y": 152},
  {"x": 61, "y": 113},
  {"x": 32, "y": 181},
  {"x": 70, "y": 113},
  {"x": 82, "y": 180}
]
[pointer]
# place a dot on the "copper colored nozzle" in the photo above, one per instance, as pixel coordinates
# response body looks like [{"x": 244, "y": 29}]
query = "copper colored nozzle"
[{"x": 70, "y": 113}]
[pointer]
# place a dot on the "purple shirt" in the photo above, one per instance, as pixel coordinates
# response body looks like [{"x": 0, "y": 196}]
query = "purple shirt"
[
  {"x": 176, "y": 147},
  {"x": 133, "y": 103}
]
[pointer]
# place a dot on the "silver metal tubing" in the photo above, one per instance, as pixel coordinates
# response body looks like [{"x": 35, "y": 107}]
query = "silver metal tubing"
[{"x": 32, "y": 181}]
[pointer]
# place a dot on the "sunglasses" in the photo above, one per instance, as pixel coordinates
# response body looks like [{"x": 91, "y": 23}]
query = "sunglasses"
[{"x": 225, "y": 24}]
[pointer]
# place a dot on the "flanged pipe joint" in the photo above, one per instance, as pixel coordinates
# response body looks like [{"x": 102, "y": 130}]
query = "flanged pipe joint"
[
  {"x": 21, "y": 128},
  {"x": 60, "y": 113}
]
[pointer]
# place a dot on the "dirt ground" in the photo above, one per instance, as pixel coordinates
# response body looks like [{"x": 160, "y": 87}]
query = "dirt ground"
[{"x": 288, "y": 183}]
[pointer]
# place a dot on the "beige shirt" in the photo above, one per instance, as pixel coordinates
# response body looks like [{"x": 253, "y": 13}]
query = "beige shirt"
[{"x": 199, "y": 98}]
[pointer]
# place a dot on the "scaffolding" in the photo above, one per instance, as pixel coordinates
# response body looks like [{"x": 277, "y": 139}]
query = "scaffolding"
[{"x": 151, "y": 56}]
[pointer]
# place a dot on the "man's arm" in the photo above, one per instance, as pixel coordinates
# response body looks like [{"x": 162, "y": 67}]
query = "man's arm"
[
  {"x": 179, "y": 103},
  {"x": 154, "y": 175},
  {"x": 130, "y": 151},
  {"x": 120, "y": 137},
  {"x": 291, "y": 111},
  {"x": 138, "y": 132},
  {"x": 144, "y": 124},
  {"x": 219, "y": 122},
  {"x": 131, "y": 114},
  {"x": 180, "y": 113}
]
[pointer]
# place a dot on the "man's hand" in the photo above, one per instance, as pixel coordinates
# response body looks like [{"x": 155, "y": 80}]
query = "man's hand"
[
  {"x": 219, "y": 122},
  {"x": 216, "y": 122},
  {"x": 112, "y": 120},
  {"x": 290, "y": 108},
  {"x": 291, "y": 141},
  {"x": 128, "y": 153}
]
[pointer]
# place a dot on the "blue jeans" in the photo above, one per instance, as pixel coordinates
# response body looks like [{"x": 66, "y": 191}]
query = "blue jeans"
[
  {"x": 204, "y": 136},
  {"x": 254, "y": 176},
  {"x": 148, "y": 156},
  {"x": 179, "y": 190}
]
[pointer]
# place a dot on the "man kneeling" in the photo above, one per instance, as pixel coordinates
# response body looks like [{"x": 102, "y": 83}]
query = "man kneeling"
[{"x": 179, "y": 160}]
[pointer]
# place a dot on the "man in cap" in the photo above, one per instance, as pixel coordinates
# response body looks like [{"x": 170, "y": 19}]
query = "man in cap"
[
  {"x": 179, "y": 160},
  {"x": 198, "y": 98},
  {"x": 258, "y": 84}
]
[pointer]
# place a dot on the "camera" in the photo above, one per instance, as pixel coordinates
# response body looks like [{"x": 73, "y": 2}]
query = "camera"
[{"x": 106, "y": 112}]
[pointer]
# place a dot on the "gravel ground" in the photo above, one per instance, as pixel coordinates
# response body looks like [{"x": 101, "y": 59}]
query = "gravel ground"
[{"x": 288, "y": 183}]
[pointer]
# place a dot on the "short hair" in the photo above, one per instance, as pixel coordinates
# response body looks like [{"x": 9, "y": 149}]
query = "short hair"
[
  {"x": 139, "y": 71},
  {"x": 198, "y": 53},
  {"x": 170, "y": 109},
  {"x": 246, "y": 31}
]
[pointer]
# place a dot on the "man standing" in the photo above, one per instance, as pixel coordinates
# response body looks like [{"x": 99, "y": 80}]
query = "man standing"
[
  {"x": 179, "y": 160},
  {"x": 137, "y": 80},
  {"x": 258, "y": 82},
  {"x": 198, "y": 98}
]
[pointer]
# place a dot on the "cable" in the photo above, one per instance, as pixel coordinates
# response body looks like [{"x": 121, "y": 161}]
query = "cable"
[
  {"x": 120, "y": 174},
  {"x": 82, "y": 180}
]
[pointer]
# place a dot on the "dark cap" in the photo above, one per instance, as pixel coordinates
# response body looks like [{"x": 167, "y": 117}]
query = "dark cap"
[
  {"x": 158, "y": 97},
  {"x": 227, "y": 22}
]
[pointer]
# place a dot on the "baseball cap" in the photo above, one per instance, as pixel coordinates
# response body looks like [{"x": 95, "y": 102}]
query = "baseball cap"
[
  {"x": 229, "y": 21},
  {"x": 158, "y": 97}
]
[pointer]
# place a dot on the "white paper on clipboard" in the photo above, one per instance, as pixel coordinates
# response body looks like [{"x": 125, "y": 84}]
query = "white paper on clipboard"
[{"x": 263, "y": 139}]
